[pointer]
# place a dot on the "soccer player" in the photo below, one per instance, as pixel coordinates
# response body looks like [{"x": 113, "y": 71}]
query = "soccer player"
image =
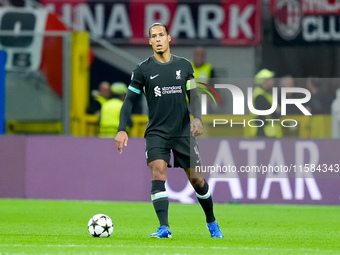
[{"x": 165, "y": 80}]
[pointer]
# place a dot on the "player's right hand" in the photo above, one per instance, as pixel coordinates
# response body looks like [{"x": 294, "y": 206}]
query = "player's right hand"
[{"x": 121, "y": 139}]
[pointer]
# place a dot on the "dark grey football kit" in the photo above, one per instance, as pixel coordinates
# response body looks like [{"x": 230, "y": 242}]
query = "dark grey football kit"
[{"x": 165, "y": 88}]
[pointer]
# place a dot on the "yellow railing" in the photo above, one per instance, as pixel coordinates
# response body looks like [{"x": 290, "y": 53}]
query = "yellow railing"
[
  {"x": 317, "y": 126},
  {"x": 79, "y": 83},
  {"x": 91, "y": 124},
  {"x": 25, "y": 127},
  {"x": 321, "y": 126},
  {"x": 139, "y": 125}
]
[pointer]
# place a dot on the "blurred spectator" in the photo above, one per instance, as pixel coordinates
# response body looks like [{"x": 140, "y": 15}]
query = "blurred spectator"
[
  {"x": 333, "y": 87},
  {"x": 110, "y": 111},
  {"x": 99, "y": 97},
  {"x": 289, "y": 82},
  {"x": 320, "y": 102},
  {"x": 263, "y": 100},
  {"x": 203, "y": 71}
]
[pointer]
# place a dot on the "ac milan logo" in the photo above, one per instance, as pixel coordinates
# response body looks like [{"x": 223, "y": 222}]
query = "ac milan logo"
[{"x": 288, "y": 18}]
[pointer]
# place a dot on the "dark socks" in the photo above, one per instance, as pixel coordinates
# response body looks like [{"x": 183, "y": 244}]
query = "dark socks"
[
  {"x": 204, "y": 198},
  {"x": 160, "y": 201}
]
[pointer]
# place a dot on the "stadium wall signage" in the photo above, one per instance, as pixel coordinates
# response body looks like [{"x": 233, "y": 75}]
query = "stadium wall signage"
[
  {"x": 24, "y": 52},
  {"x": 28, "y": 52},
  {"x": 305, "y": 21},
  {"x": 293, "y": 171},
  {"x": 230, "y": 22}
]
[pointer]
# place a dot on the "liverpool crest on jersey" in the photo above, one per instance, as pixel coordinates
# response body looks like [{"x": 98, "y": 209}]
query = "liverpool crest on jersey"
[{"x": 178, "y": 74}]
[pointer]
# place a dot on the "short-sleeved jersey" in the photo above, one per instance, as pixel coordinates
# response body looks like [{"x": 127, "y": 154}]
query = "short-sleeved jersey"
[{"x": 164, "y": 86}]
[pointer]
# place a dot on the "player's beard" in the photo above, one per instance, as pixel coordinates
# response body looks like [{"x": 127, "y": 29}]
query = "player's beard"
[{"x": 160, "y": 52}]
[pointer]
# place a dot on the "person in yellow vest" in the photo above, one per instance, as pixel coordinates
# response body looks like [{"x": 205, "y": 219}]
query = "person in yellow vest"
[
  {"x": 99, "y": 97},
  {"x": 110, "y": 111},
  {"x": 203, "y": 71},
  {"x": 262, "y": 100}
]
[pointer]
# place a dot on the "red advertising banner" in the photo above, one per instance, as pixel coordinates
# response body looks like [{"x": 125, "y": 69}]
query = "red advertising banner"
[{"x": 229, "y": 22}]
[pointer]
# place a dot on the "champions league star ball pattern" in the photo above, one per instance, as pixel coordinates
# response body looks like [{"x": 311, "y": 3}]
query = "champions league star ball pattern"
[{"x": 100, "y": 225}]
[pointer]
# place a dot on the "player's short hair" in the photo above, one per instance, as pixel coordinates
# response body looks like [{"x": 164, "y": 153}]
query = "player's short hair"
[{"x": 158, "y": 24}]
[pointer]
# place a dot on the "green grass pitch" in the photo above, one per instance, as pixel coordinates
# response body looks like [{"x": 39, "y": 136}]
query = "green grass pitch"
[{"x": 60, "y": 227}]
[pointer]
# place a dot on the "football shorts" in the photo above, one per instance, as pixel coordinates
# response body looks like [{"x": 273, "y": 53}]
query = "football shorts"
[{"x": 185, "y": 151}]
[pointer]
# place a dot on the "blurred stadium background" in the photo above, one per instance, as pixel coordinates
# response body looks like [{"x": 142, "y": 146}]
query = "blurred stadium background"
[{"x": 54, "y": 53}]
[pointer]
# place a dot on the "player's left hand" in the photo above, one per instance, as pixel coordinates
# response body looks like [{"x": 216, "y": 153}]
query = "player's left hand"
[{"x": 196, "y": 127}]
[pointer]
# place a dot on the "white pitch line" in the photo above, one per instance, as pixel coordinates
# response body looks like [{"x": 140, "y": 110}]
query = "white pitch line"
[{"x": 163, "y": 247}]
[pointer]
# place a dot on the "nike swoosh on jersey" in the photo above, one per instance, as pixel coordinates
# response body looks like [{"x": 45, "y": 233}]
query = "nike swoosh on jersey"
[{"x": 153, "y": 77}]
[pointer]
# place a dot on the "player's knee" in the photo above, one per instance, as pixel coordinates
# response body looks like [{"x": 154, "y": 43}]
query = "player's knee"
[
  {"x": 197, "y": 182},
  {"x": 158, "y": 176},
  {"x": 158, "y": 170}
]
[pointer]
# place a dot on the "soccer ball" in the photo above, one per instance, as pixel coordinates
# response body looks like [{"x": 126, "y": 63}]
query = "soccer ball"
[{"x": 100, "y": 225}]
